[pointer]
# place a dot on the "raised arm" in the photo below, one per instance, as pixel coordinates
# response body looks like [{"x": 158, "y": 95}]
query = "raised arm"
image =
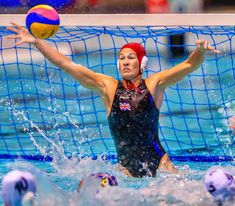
[
  {"x": 85, "y": 76},
  {"x": 178, "y": 72}
]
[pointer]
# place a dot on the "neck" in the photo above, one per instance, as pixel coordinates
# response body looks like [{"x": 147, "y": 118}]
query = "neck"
[
  {"x": 133, "y": 84},
  {"x": 136, "y": 81}
]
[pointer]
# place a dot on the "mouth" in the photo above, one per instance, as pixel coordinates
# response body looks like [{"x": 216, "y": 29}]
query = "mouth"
[{"x": 125, "y": 69}]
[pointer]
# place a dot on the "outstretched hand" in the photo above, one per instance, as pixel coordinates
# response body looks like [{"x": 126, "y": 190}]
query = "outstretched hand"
[
  {"x": 205, "y": 46},
  {"x": 22, "y": 34}
]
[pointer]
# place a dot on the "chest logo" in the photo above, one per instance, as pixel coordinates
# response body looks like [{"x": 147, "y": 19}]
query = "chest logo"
[{"x": 125, "y": 106}]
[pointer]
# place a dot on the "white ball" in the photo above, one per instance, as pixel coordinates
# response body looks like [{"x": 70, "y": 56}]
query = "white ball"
[
  {"x": 219, "y": 183},
  {"x": 15, "y": 185}
]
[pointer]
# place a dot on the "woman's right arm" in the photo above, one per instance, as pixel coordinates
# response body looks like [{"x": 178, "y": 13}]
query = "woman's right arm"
[{"x": 85, "y": 76}]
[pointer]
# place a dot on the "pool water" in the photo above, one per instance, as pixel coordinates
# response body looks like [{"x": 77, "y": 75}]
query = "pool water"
[
  {"x": 57, "y": 180},
  {"x": 57, "y": 184}
]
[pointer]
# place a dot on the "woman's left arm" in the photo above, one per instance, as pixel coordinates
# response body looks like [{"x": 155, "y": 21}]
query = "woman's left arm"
[{"x": 178, "y": 72}]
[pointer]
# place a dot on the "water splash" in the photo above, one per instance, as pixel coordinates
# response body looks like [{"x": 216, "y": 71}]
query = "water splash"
[{"x": 59, "y": 187}]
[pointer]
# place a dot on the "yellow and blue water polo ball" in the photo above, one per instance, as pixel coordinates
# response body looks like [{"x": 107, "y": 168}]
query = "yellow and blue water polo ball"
[{"x": 42, "y": 21}]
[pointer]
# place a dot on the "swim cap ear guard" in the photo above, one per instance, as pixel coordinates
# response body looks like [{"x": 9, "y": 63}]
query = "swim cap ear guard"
[{"x": 144, "y": 64}]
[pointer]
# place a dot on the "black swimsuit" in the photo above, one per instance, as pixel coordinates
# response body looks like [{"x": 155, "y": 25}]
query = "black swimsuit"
[{"x": 133, "y": 123}]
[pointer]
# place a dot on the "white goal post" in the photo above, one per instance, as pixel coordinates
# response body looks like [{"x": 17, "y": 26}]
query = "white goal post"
[{"x": 132, "y": 19}]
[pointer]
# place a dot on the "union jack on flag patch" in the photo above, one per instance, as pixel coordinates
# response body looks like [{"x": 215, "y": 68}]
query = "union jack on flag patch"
[{"x": 125, "y": 106}]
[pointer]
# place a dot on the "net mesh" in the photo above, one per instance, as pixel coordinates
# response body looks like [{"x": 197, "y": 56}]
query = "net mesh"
[{"x": 43, "y": 109}]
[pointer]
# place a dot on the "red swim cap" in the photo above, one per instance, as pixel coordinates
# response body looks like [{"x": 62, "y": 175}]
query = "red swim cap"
[{"x": 140, "y": 52}]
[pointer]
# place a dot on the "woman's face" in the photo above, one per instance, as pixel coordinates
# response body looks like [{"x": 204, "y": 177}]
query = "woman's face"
[{"x": 128, "y": 64}]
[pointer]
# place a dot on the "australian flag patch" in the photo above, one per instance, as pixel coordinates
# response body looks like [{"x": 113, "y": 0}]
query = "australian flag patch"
[{"x": 125, "y": 106}]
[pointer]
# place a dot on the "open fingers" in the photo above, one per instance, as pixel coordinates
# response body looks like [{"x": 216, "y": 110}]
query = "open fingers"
[
  {"x": 198, "y": 43},
  {"x": 210, "y": 48},
  {"x": 13, "y": 29},
  {"x": 217, "y": 51},
  {"x": 13, "y": 37},
  {"x": 16, "y": 25},
  {"x": 206, "y": 46},
  {"x": 19, "y": 43},
  {"x": 202, "y": 44}
]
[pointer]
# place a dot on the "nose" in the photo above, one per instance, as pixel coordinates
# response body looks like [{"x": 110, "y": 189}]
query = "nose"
[{"x": 126, "y": 62}]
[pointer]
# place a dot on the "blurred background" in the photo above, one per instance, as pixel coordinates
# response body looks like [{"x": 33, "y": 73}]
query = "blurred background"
[{"x": 119, "y": 6}]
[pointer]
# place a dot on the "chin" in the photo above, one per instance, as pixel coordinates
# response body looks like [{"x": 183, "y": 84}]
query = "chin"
[{"x": 126, "y": 77}]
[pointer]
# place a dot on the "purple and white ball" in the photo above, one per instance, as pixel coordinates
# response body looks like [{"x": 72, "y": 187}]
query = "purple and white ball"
[
  {"x": 18, "y": 187},
  {"x": 220, "y": 183}
]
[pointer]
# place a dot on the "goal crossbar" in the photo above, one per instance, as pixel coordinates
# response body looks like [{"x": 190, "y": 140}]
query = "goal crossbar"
[{"x": 132, "y": 19}]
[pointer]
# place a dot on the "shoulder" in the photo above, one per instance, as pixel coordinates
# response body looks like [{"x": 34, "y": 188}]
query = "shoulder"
[
  {"x": 108, "y": 90},
  {"x": 110, "y": 84},
  {"x": 155, "y": 89},
  {"x": 108, "y": 80},
  {"x": 153, "y": 82}
]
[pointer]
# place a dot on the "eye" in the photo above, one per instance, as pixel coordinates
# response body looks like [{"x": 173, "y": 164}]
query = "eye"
[{"x": 132, "y": 56}]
